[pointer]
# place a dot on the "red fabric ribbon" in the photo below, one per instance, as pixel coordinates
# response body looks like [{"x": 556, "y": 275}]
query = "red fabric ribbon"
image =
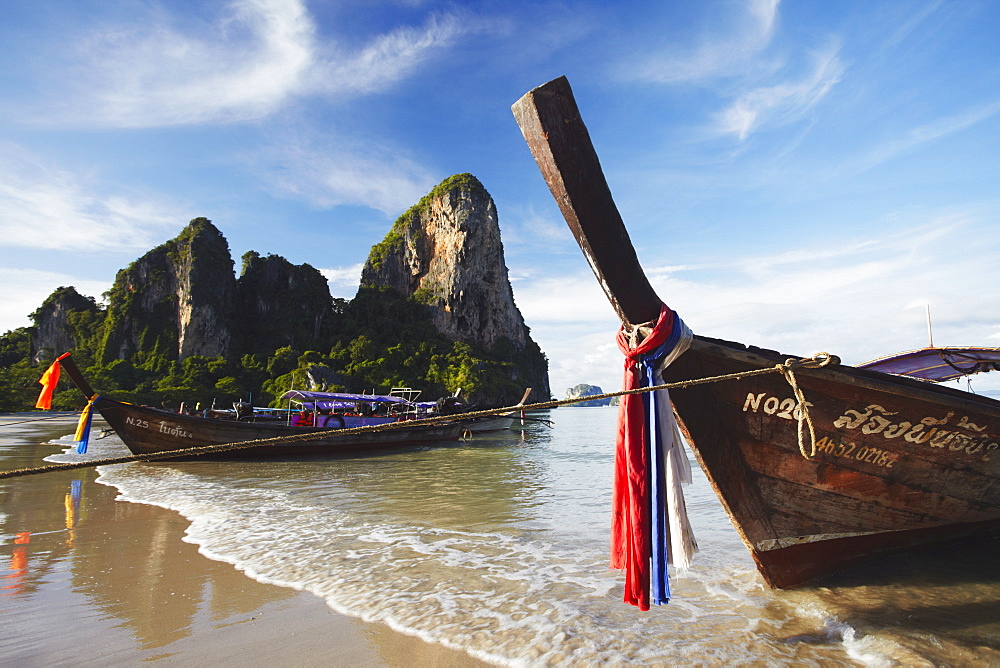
[{"x": 631, "y": 548}]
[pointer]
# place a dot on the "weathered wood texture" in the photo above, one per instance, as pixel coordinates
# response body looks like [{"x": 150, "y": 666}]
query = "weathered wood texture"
[
  {"x": 551, "y": 124},
  {"x": 898, "y": 461}
]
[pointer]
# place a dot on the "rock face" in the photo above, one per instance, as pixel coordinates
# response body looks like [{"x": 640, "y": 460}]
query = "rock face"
[
  {"x": 446, "y": 251},
  {"x": 176, "y": 300},
  {"x": 281, "y": 304},
  {"x": 584, "y": 390},
  {"x": 182, "y": 299},
  {"x": 58, "y": 322}
]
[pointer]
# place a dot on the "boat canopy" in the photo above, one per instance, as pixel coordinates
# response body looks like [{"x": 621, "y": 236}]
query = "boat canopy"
[
  {"x": 307, "y": 396},
  {"x": 338, "y": 401},
  {"x": 937, "y": 364}
]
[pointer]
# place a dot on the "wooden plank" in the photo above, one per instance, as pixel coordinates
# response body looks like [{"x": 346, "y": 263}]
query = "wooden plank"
[{"x": 551, "y": 124}]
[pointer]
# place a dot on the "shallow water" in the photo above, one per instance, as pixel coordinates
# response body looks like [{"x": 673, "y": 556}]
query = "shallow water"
[{"x": 498, "y": 548}]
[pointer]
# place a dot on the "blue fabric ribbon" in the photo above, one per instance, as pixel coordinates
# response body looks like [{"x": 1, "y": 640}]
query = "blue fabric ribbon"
[
  {"x": 84, "y": 430},
  {"x": 660, "y": 535}
]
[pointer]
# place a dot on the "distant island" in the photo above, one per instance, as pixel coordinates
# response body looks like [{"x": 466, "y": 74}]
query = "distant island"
[
  {"x": 584, "y": 390},
  {"x": 434, "y": 311}
]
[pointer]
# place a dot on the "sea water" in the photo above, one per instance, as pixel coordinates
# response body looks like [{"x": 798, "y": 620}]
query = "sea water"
[{"x": 498, "y": 547}]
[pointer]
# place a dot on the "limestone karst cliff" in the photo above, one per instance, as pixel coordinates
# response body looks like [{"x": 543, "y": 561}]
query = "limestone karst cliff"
[
  {"x": 446, "y": 250},
  {"x": 62, "y": 323},
  {"x": 446, "y": 253},
  {"x": 281, "y": 304},
  {"x": 435, "y": 311},
  {"x": 176, "y": 300}
]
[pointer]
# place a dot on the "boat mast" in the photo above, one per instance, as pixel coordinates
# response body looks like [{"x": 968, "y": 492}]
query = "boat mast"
[{"x": 930, "y": 332}]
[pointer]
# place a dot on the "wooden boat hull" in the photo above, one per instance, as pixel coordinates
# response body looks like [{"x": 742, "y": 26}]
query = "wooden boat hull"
[
  {"x": 497, "y": 423},
  {"x": 898, "y": 462},
  {"x": 147, "y": 430}
]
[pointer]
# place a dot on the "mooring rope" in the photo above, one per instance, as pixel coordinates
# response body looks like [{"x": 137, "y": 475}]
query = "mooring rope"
[
  {"x": 785, "y": 368},
  {"x": 40, "y": 419}
]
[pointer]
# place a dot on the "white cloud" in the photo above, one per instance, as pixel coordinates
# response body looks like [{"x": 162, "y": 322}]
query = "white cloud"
[
  {"x": 330, "y": 171},
  {"x": 733, "y": 41},
  {"x": 152, "y": 73},
  {"x": 255, "y": 59},
  {"x": 388, "y": 58},
  {"x": 526, "y": 225},
  {"x": 917, "y": 137},
  {"x": 738, "y": 47},
  {"x": 45, "y": 206},
  {"x": 853, "y": 299},
  {"x": 343, "y": 281},
  {"x": 781, "y": 103},
  {"x": 573, "y": 323}
]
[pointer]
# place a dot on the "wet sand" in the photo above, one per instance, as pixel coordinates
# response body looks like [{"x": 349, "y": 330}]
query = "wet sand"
[{"x": 84, "y": 577}]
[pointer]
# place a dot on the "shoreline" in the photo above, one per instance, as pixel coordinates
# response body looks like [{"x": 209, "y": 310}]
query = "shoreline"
[{"x": 90, "y": 577}]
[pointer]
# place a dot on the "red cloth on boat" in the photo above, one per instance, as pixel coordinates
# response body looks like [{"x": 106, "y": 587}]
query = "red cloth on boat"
[
  {"x": 48, "y": 381},
  {"x": 631, "y": 528}
]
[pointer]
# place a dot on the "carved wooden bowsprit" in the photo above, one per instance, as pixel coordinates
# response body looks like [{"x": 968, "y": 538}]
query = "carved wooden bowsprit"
[{"x": 557, "y": 137}]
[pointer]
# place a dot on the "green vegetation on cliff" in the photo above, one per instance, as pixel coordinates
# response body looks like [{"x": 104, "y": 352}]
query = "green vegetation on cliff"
[
  {"x": 408, "y": 223},
  {"x": 287, "y": 333}
]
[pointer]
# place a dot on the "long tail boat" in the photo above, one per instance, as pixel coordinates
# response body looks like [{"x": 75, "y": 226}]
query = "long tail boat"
[
  {"x": 894, "y": 462},
  {"x": 146, "y": 430}
]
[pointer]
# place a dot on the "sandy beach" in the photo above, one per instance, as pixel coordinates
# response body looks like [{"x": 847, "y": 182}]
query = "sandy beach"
[{"x": 87, "y": 578}]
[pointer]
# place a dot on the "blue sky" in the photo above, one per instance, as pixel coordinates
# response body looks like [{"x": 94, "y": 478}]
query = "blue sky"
[{"x": 802, "y": 175}]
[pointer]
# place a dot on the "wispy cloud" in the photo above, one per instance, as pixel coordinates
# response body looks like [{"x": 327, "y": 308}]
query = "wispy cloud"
[
  {"x": 333, "y": 170},
  {"x": 255, "y": 59},
  {"x": 781, "y": 103},
  {"x": 45, "y": 206},
  {"x": 737, "y": 56},
  {"x": 388, "y": 58},
  {"x": 153, "y": 73},
  {"x": 527, "y": 225},
  {"x": 852, "y": 299},
  {"x": 917, "y": 137},
  {"x": 724, "y": 50}
]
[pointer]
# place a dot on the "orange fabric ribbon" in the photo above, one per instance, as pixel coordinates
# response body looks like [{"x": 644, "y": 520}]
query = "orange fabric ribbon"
[{"x": 48, "y": 381}]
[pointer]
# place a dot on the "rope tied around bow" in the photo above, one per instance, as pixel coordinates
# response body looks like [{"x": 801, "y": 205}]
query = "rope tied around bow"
[{"x": 787, "y": 369}]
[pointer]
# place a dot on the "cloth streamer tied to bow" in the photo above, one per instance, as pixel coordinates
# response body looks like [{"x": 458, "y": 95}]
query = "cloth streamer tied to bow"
[
  {"x": 649, "y": 524},
  {"x": 48, "y": 381}
]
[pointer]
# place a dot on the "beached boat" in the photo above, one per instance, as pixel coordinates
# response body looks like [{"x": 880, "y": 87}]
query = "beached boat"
[
  {"x": 894, "y": 461},
  {"x": 146, "y": 430}
]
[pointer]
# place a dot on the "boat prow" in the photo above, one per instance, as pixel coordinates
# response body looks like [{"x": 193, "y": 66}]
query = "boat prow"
[{"x": 894, "y": 461}]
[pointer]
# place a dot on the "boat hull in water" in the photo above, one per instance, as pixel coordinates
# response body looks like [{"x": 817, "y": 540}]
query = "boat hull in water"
[
  {"x": 147, "y": 430},
  {"x": 896, "y": 462}
]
